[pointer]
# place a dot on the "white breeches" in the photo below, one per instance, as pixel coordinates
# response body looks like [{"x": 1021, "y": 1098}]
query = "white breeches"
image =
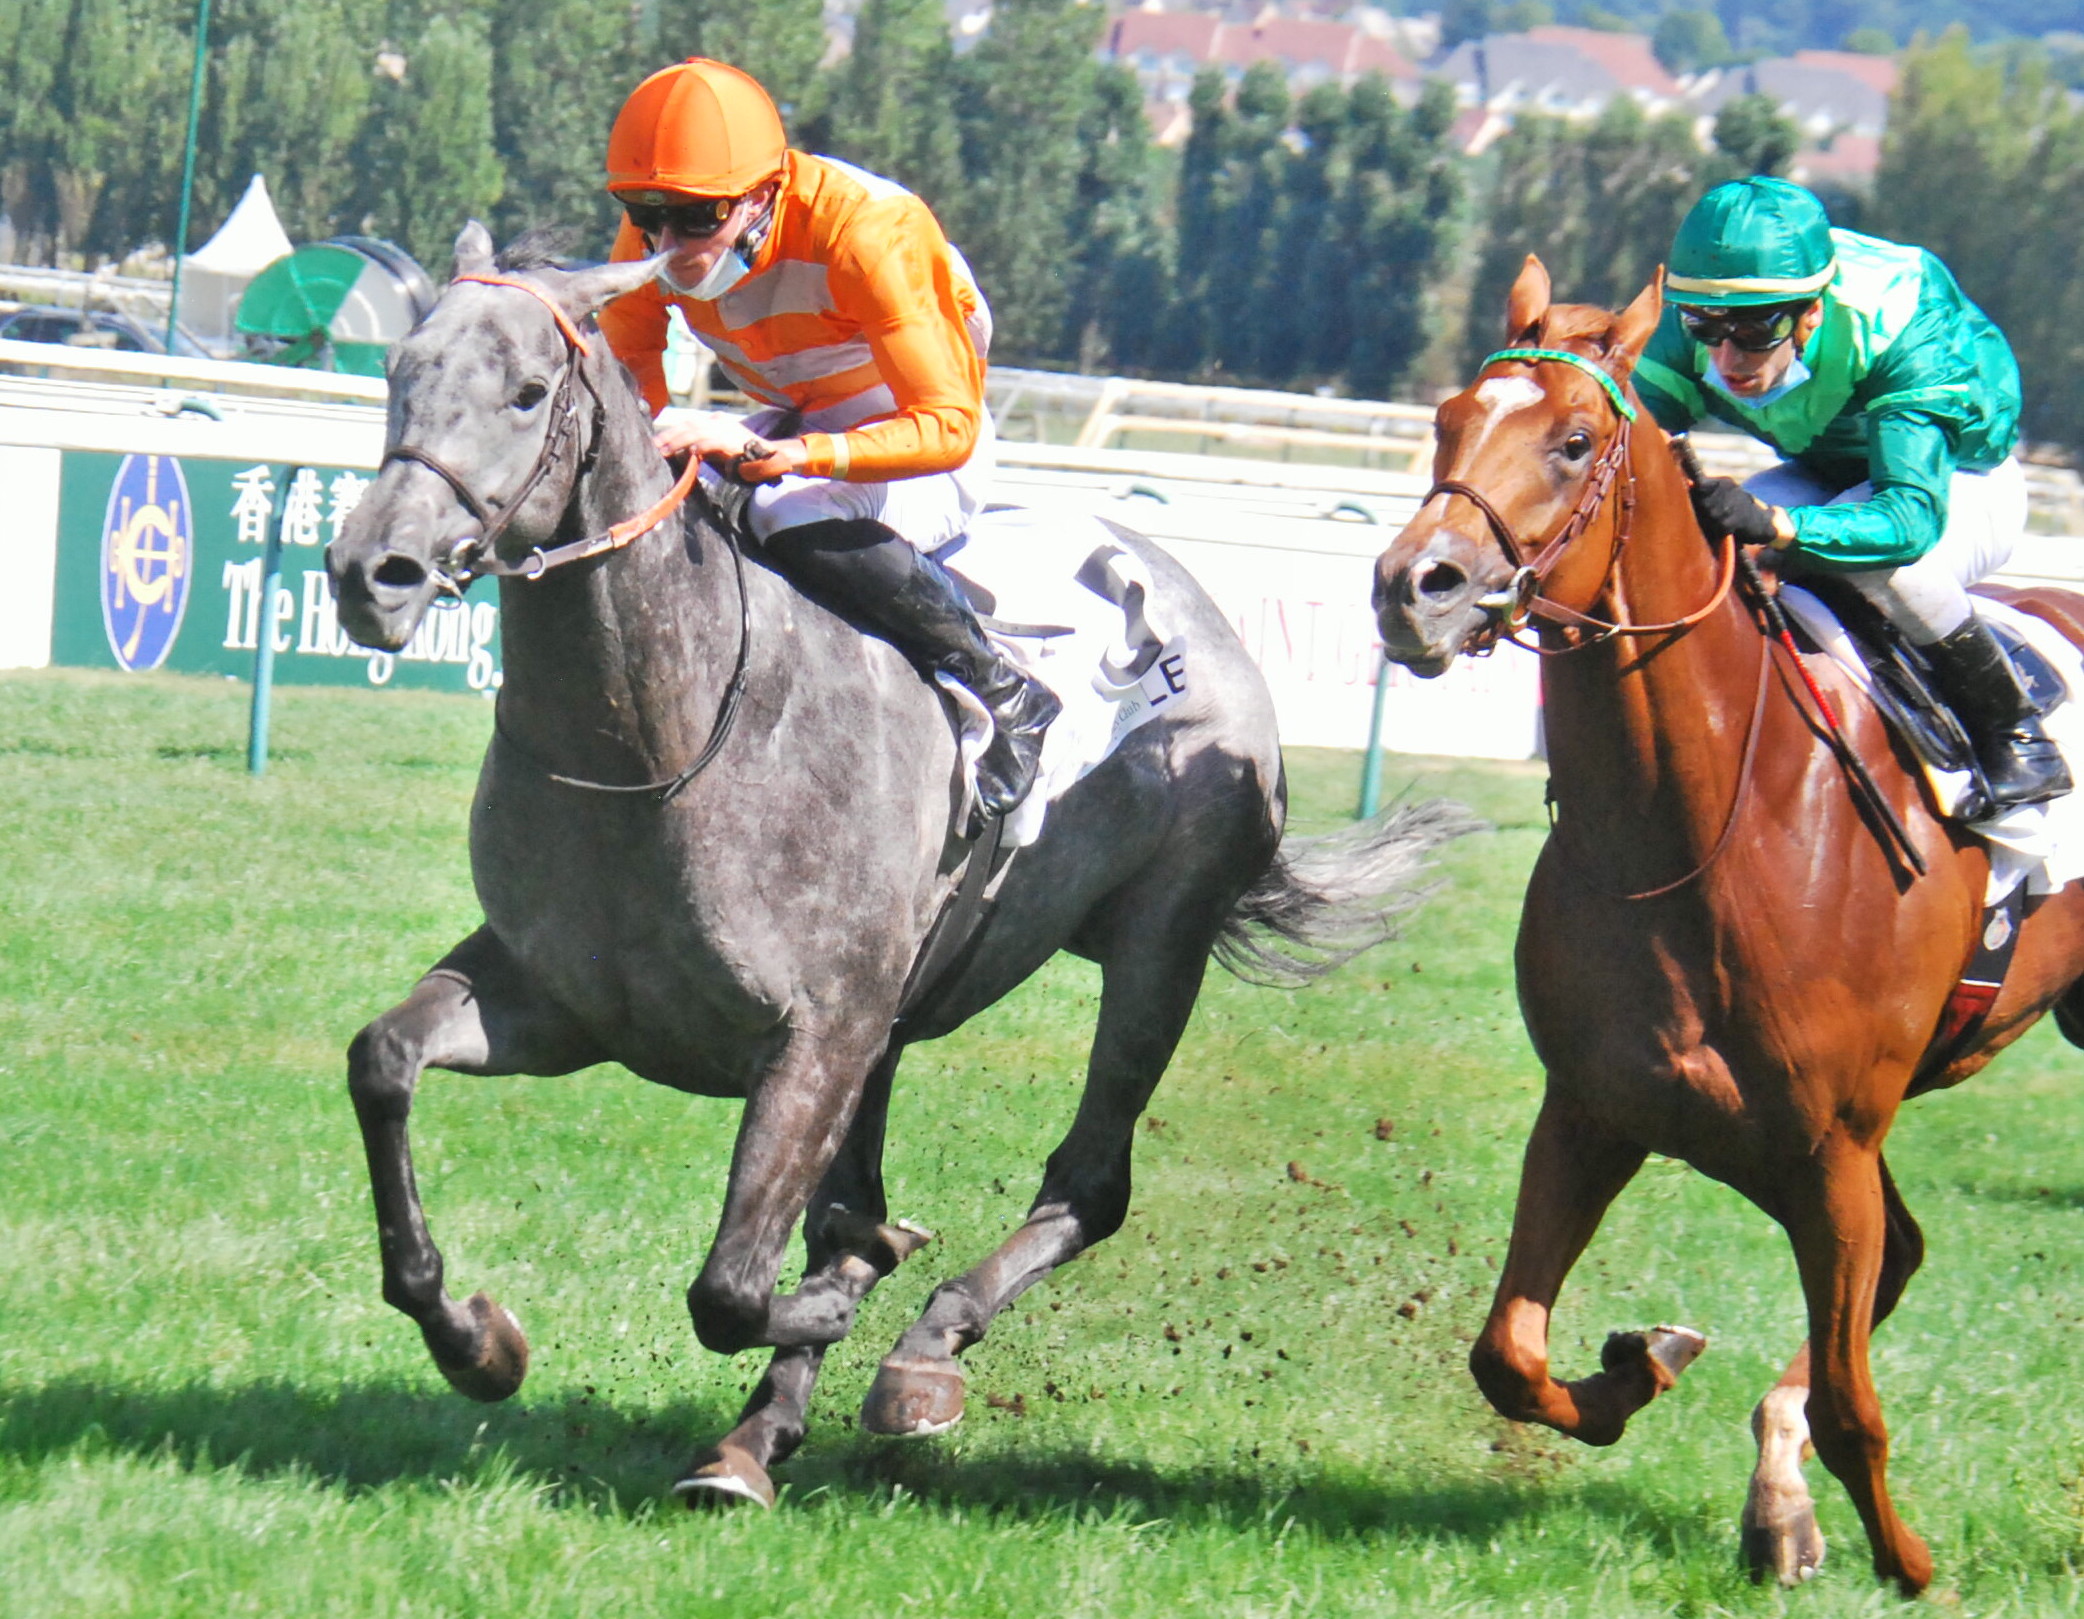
[
  {"x": 1926, "y": 599},
  {"x": 926, "y": 512}
]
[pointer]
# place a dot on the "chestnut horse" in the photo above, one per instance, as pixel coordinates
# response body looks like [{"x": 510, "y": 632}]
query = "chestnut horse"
[{"x": 1721, "y": 958}]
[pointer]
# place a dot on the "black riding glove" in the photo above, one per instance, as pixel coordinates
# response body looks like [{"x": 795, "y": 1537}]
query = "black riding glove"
[{"x": 1725, "y": 506}]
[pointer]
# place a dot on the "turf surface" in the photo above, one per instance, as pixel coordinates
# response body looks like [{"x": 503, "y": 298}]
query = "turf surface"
[{"x": 1252, "y": 1401}]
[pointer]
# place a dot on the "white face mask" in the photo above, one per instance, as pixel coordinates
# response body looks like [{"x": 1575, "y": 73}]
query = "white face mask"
[
  {"x": 1797, "y": 374},
  {"x": 731, "y": 266},
  {"x": 721, "y": 276}
]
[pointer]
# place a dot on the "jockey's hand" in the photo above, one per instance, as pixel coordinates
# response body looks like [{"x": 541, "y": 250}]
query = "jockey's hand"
[
  {"x": 710, "y": 434},
  {"x": 763, "y": 462},
  {"x": 1725, "y": 506}
]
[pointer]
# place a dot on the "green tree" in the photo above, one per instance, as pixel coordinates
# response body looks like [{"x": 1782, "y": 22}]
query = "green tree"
[
  {"x": 1398, "y": 191},
  {"x": 1022, "y": 94},
  {"x": 88, "y": 83},
  {"x": 560, "y": 71},
  {"x": 1986, "y": 169},
  {"x": 779, "y": 42},
  {"x": 288, "y": 96},
  {"x": 1688, "y": 41},
  {"x": 890, "y": 105},
  {"x": 1756, "y": 136},
  {"x": 428, "y": 146},
  {"x": 1124, "y": 267},
  {"x": 1598, "y": 205}
]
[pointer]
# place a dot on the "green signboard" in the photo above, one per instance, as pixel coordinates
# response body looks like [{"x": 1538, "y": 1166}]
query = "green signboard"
[{"x": 159, "y": 567}]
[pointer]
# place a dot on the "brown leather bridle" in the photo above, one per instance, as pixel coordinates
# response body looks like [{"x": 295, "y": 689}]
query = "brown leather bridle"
[{"x": 1520, "y": 598}]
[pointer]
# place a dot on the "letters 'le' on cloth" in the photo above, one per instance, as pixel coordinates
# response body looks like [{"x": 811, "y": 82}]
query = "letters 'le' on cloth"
[{"x": 1074, "y": 607}]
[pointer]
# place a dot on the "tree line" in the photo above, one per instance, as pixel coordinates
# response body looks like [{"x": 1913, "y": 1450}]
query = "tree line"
[{"x": 1337, "y": 240}]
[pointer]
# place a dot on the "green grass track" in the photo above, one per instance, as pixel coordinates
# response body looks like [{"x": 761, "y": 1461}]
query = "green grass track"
[{"x": 1251, "y": 1402}]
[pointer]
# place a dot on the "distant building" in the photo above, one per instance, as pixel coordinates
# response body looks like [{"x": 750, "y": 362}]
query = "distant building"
[
  {"x": 1167, "y": 49},
  {"x": 1838, "y": 99},
  {"x": 1565, "y": 72}
]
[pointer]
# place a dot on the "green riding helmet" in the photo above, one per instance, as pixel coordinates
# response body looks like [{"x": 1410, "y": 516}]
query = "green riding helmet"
[{"x": 1756, "y": 241}]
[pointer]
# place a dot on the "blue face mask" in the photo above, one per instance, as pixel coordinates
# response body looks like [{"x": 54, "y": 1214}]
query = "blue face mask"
[{"x": 1797, "y": 374}]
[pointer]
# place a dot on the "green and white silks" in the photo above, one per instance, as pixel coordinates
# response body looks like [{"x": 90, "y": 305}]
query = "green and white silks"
[{"x": 1908, "y": 381}]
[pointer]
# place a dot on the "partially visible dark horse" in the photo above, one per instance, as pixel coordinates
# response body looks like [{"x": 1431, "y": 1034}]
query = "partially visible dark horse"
[
  {"x": 1721, "y": 958},
  {"x": 747, "y": 930}
]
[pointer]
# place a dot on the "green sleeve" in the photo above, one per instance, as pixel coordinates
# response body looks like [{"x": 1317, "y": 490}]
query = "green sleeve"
[
  {"x": 1910, "y": 462},
  {"x": 1663, "y": 381}
]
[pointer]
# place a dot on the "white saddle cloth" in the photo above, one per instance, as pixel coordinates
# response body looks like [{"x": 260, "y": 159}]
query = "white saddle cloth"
[
  {"x": 2041, "y": 845},
  {"x": 1109, "y": 657}
]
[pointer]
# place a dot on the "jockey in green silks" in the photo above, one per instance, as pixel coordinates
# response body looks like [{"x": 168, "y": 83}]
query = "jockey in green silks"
[{"x": 1894, "y": 401}]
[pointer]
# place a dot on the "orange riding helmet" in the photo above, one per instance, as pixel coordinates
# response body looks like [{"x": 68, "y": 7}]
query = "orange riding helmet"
[{"x": 699, "y": 127}]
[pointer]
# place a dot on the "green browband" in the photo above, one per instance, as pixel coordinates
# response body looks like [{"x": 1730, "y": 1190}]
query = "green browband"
[{"x": 1613, "y": 388}]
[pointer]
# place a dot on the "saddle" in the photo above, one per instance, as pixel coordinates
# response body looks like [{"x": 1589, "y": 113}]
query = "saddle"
[{"x": 1906, "y": 692}]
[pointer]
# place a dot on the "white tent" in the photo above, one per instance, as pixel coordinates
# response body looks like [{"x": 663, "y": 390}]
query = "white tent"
[{"x": 215, "y": 274}]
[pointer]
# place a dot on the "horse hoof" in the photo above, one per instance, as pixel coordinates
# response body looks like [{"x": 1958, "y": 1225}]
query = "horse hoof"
[
  {"x": 1790, "y": 1549},
  {"x": 1662, "y": 1353},
  {"x": 911, "y": 1399},
  {"x": 1675, "y": 1348},
  {"x": 724, "y": 1476},
  {"x": 502, "y": 1357},
  {"x": 884, "y": 1245}
]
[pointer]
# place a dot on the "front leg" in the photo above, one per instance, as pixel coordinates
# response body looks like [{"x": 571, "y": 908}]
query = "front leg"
[
  {"x": 1574, "y": 1168},
  {"x": 847, "y": 1244},
  {"x": 475, "y": 1012},
  {"x": 796, "y": 1117}
]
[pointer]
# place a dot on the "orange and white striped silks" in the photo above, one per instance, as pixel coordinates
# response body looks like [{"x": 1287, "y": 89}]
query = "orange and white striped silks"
[{"x": 857, "y": 311}]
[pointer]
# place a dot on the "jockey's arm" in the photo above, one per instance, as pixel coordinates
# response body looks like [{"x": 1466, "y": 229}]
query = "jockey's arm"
[
  {"x": 897, "y": 282},
  {"x": 635, "y": 326},
  {"x": 1910, "y": 462}
]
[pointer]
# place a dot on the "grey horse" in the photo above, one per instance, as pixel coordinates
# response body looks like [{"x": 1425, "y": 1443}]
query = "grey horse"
[{"x": 747, "y": 929}]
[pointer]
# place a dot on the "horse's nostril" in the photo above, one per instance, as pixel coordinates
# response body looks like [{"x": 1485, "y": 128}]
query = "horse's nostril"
[
  {"x": 400, "y": 572},
  {"x": 1438, "y": 579}
]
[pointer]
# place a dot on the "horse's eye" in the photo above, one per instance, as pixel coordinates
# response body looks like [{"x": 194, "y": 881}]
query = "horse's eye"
[
  {"x": 1578, "y": 446},
  {"x": 531, "y": 395}
]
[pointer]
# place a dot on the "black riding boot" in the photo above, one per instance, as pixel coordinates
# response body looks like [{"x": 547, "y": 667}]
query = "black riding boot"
[
  {"x": 869, "y": 576},
  {"x": 1976, "y": 678}
]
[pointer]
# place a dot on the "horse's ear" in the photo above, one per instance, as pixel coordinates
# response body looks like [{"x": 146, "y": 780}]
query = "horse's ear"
[
  {"x": 1527, "y": 305},
  {"x": 583, "y": 292},
  {"x": 1624, "y": 344},
  {"x": 473, "y": 250}
]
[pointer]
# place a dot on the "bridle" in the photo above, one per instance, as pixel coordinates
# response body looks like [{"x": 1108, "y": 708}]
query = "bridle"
[
  {"x": 1520, "y": 598},
  {"x": 473, "y": 557}
]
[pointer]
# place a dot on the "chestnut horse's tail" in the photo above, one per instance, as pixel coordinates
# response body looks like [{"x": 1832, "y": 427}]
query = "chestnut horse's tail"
[{"x": 1326, "y": 899}]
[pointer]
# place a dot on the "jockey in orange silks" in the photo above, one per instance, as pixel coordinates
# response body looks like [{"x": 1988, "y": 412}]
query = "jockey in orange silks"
[{"x": 831, "y": 297}]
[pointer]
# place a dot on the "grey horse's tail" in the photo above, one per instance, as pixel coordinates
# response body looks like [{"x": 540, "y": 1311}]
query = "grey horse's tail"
[{"x": 1326, "y": 899}]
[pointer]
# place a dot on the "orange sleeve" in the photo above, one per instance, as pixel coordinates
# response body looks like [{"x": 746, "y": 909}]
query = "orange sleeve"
[
  {"x": 892, "y": 275},
  {"x": 635, "y": 324}
]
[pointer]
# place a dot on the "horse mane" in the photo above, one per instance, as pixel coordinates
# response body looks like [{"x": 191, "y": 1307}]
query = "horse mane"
[{"x": 541, "y": 247}]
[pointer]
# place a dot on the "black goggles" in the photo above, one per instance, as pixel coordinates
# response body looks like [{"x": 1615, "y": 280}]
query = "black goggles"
[
  {"x": 692, "y": 220},
  {"x": 1755, "y": 331}
]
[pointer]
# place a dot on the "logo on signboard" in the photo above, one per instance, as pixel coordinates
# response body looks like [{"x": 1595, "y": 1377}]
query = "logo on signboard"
[{"x": 147, "y": 559}]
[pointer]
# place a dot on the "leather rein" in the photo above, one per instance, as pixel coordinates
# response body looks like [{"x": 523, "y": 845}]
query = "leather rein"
[
  {"x": 473, "y": 557},
  {"x": 1521, "y": 599}
]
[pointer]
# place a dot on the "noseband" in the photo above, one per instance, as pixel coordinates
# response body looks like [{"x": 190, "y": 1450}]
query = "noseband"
[
  {"x": 1521, "y": 599},
  {"x": 474, "y": 556}
]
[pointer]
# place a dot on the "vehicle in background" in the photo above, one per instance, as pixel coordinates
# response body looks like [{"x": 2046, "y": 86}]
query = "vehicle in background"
[{"x": 91, "y": 329}]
